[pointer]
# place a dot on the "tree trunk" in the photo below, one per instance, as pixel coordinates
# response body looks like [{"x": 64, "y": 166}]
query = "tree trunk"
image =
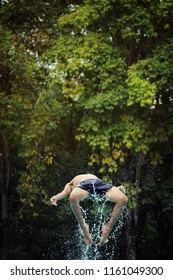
[
  {"x": 5, "y": 178},
  {"x": 130, "y": 235},
  {"x": 132, "y": 217}
]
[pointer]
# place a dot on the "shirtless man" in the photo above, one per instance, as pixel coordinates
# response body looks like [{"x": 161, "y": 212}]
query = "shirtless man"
[{"x": 84, "y": 185}]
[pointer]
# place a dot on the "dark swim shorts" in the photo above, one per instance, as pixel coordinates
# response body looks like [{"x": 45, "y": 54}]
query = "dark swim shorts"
[{"x": 95, "y": 186}]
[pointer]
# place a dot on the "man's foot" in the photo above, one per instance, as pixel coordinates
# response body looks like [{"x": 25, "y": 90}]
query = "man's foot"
[
  {"x": 105, "y": 233},
  {"x": 88, "y": 239}
]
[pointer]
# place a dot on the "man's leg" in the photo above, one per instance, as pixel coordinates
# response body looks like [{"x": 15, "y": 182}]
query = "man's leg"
[
  {"x": 115, "y": 195},
  {"x": 75, "y": 197}
]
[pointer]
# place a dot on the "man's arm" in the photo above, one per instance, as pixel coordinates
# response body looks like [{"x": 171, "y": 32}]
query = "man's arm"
[{"x": 66, "y": 191}]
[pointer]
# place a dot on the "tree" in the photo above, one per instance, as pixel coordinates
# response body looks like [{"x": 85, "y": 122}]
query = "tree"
[
  {"x": 101, "y": 56},
  {"x": 92, "y": 74},
  {"x": 26, "y": 31}
]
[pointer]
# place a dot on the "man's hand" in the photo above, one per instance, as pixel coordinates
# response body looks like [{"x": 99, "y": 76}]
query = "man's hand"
[{"x": 53, "y": 200}]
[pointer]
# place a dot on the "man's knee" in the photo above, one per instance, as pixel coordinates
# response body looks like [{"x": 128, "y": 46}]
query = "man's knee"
[
  {"x": 74, "y": 197},
  {"x": 123, "y": 201}
]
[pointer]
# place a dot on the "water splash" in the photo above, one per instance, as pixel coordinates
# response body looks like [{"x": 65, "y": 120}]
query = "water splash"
[{"x": 97, "y": 213}]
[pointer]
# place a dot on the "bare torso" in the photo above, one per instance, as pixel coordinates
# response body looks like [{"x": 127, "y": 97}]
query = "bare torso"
[{"x": 76, "y": 180}]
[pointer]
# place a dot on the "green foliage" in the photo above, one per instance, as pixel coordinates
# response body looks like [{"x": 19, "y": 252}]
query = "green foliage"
[
  {"x": 87, "y": 65},
  {"x": 30, "y": 110},
  {"x": 135, "y": 22},
  {"x": 5, "y": 43},
  {"x": 149, "y": 246},
  {"x": 46, "y": 114},
  {"x": 132, "y": 191},
  {"x": 165, "y": 195},
  {"x": 139, "y": 90},
  {"x": 42, "y": 231},
  {"x": 87, "y": 86}
]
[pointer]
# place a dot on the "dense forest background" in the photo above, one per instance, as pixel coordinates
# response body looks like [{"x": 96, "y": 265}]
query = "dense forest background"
[{"x": 86, "y": 86}]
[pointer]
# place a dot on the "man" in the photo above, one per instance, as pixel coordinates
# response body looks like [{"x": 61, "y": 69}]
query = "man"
[{"x": 81, "y": 187}]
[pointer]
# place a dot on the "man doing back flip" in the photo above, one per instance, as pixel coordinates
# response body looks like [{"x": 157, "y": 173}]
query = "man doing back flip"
[{"x": 85, "y": 185}]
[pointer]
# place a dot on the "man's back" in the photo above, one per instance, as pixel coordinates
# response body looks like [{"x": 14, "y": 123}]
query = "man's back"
[{"x": 79, "y": 178}]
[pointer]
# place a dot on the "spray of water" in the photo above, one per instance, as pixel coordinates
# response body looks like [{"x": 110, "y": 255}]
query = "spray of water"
[{"x": 96, "y": 216}]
